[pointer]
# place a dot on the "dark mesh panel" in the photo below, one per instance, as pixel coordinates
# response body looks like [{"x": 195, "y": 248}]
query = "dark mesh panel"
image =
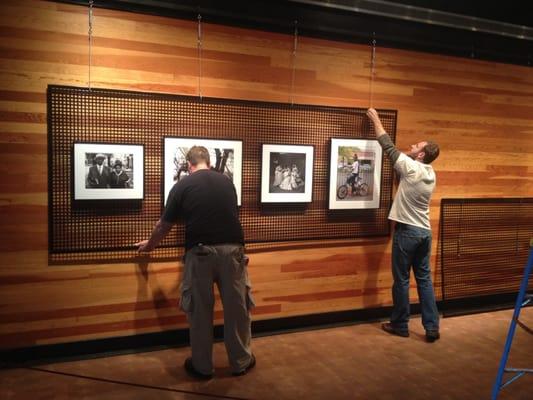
[
  {"x": 106, "y": 230},
  {"x": 484, "y": 245}
]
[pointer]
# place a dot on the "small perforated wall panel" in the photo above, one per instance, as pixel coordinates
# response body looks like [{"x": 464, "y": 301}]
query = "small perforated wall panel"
[
  {"x": 484, "y": 245},
  {"x": 106, "y": 230}
]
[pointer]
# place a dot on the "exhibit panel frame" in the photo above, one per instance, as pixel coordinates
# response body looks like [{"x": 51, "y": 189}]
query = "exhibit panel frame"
[
  {"x": 92, "y": 230},
  {"x": 483, "y": 247}
]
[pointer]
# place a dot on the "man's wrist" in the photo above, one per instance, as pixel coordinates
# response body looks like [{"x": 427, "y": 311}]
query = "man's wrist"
[
  {"x": 378, "y": 128},
  {"x": 380, "y": 132}
]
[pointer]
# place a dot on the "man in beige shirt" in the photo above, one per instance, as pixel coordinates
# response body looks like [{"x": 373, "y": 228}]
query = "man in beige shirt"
[{"x": 412, "y": 235}]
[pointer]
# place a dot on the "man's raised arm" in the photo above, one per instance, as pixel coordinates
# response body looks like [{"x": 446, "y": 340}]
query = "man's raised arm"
[{"x": 383, "y": 138}]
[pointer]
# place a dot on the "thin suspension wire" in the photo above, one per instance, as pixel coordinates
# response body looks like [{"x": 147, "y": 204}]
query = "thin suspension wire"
[
  {"x": 199, "y": 44},
  {"x": 90, "y": 40},
  {"x": 372, "y": 70},
  {"x": 293, "y": 61}
]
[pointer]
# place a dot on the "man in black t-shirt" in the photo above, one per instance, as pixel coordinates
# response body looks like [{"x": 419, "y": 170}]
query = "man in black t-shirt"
[{"x": 207, "y": 201}]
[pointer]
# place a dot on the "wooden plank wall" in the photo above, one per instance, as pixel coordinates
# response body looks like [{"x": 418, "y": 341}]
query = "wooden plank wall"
[{"x": 479, "y": 112}]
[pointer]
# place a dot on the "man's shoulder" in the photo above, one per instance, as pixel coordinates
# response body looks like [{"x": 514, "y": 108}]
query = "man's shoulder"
[
  {"x": 405, "y": 159},
  {"x": 214, "y": 174},
  {"x": 202, "y": 176}
]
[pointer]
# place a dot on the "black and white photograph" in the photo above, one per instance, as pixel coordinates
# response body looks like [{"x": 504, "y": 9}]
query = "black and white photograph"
[
  {"x": 225, "y": 157},
  {"x": 108, "y": 171},
  {"x": 355, "y": 174},
  {"x": 287, "y": 173}
]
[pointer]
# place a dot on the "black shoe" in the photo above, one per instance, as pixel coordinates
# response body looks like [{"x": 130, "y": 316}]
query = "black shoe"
[
  {"x": 431, "y": 336},
  {"x": 387, "y": 327},
  {"x": 248, "y": 368},
  {"x": 193, "y": 372}
]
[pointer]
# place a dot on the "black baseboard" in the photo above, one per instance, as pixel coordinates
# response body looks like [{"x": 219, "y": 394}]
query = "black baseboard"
[
  {"x": 478, "y": 304},
  {"x": 36, "y": 355},
  {"x": 88, "y": 349}
]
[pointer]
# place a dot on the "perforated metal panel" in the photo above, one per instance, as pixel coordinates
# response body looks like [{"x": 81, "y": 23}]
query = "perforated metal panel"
[
  {"x": 106, "y": 230},
  {"x": 484, "y": 245}
]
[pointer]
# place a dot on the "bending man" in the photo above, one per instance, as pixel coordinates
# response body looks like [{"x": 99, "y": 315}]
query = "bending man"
[{"x": 207, "y": 201}]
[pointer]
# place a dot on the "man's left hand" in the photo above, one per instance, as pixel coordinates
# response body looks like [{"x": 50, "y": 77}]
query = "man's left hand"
[{"x": 143, "y": 246}]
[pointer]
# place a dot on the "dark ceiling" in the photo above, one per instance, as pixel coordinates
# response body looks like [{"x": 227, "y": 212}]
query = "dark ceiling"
[
  {"x": 511, "y": 11},
  {"x": 391, "y": 23}
]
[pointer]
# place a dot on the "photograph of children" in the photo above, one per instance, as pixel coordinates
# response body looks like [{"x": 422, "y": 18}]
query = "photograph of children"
[{"x": 287, "y": 172}]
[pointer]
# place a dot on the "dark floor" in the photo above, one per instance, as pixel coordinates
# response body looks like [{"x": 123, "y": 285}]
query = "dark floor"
[{"x": 352, "y": 362}]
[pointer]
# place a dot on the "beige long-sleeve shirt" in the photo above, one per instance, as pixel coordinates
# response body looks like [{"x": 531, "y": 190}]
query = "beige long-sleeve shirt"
[{"x": 417, "y": 182}]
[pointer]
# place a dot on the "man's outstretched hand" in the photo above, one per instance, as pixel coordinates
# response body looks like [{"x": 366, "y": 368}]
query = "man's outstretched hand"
[
  {"x": 142, "y": 246},
  {"x": 373, "y": 115},
  {"x": 160, "y": 231}
]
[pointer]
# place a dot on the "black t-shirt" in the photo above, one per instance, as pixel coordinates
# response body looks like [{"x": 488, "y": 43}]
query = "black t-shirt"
[{"x": 207, "y": 201}]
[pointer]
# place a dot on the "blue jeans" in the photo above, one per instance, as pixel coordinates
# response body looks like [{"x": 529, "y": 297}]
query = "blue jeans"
[{"x": 411, "y": 246}]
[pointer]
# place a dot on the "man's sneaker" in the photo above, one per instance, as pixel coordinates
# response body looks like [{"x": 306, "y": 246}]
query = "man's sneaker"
[
  {"x": 193, "y": 372},
  {"x": 248, "y": 368},
  {"x": 387, "y": 327},
  {"x": 431, "y": 336}
]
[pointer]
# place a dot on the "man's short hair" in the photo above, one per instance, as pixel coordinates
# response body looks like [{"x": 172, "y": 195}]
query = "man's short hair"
[
  {"x": 431, "y": 150},
  {"x": 197, "y": 155}
]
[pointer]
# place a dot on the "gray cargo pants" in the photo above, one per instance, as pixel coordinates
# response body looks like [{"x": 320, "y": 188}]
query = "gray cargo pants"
[{"x": 225, "y": 265}]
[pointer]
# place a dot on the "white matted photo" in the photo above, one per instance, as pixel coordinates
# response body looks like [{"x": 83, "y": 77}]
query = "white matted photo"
[
  {"x": 355, "y": 174},
  {"x": 287, "y": 173},
  {"x": 108, "y": 171},
  {"x": 225, "y": 157}
]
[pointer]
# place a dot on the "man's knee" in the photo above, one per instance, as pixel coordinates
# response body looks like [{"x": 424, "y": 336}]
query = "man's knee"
[{"x": 423, "y": 280}]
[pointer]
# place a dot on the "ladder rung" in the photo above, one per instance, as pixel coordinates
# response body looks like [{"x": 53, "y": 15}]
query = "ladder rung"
[
  {"x": 512, "y": 379},
  {"x": 524, "y": 370}
]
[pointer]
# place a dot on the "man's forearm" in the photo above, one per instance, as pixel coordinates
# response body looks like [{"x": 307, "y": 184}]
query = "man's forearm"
[
  {"x": 383, "y": 138},
  {"x": 161, "y": 229},
  {"x": 376, "y": 122},
  {"x": 378, "y": 128},
  {"x": 388, "y": 147}
]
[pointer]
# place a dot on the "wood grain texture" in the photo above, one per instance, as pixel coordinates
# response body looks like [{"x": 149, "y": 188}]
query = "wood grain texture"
[
  {"x": 343, "y": 363},
  {"x": 479, "y": 112}
]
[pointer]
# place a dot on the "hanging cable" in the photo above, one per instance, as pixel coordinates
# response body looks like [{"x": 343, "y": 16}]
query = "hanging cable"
[
  {"x": 90, "y": 40},
  {"x": 372, "y": 69},
  {"x": 199, "y": 44},
  {"x": 293, "y": 61}
]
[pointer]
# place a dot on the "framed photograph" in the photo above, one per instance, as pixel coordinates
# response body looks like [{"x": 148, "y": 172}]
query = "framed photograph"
[
  {"x": 108, "y": 171},
  {"x": 287, "y": 173},
  {"x": 225, "y": 157},
  {"x": 355, "y": 174}
]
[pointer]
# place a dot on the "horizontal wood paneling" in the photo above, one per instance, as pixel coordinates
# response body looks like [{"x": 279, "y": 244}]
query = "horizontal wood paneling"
[{"x": 479, "y": 112}]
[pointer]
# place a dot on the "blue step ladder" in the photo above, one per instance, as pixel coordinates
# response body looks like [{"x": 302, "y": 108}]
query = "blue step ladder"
[{"x": 522, "y": 300}]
